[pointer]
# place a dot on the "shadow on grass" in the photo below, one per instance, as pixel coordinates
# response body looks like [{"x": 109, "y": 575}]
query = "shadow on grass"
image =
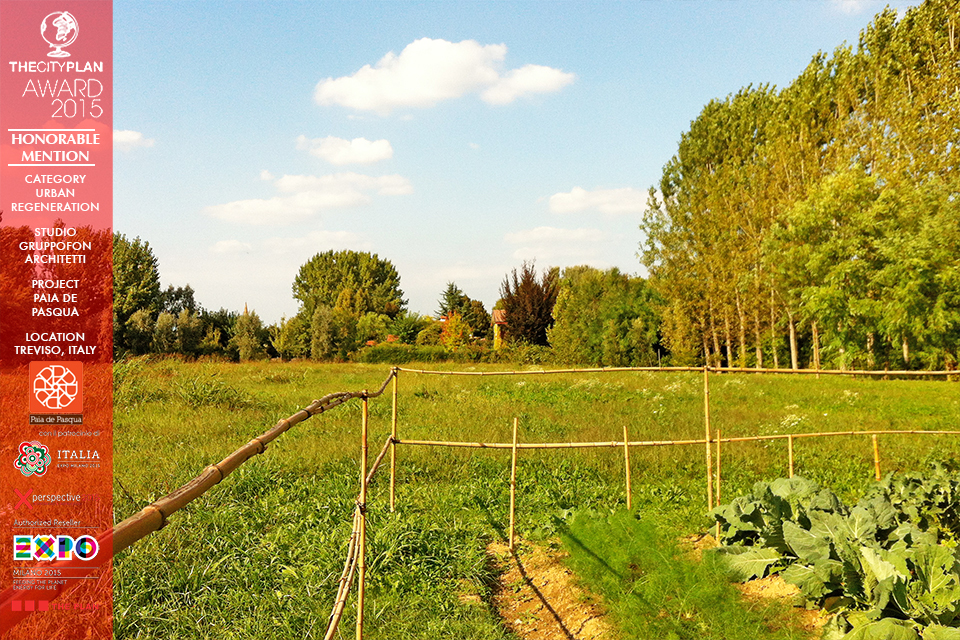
[{"x": 653, "y": 591}]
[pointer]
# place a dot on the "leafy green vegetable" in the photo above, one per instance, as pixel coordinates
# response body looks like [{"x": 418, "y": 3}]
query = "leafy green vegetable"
[{"x": 890, "y": 562}]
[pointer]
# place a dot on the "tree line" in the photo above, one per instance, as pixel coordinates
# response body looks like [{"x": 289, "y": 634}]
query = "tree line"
[
  {"x": 351, "y": 307},
  {"x": 819, "y": 224}
]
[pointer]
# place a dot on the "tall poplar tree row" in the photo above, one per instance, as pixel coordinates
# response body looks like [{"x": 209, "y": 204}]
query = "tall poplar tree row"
[{"x": 819, "y": 224}]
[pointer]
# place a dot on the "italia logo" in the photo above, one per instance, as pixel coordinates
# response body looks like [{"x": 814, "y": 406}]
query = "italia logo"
[
  {"x": 45, "y": 547},
  {"x": 33, "y": 459}
]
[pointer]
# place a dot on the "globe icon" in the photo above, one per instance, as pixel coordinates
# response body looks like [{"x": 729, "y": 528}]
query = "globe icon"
[{"x": 60, "y": 30}]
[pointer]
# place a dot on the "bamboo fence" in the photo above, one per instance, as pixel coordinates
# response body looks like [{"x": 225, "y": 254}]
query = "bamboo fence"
[
  {"x": 711, "y": 439},
  {"x": 154, "y": 516}
]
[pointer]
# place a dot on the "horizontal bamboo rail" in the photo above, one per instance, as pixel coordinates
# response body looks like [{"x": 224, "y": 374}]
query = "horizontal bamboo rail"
[
  {"x": 825, "y": 434},
  {"x": 541, "y": 372},
  {"x": 660, "y": 443},
  {"x": 548, "y": 445},
  {"x": 833, "y": 372},
  {"x": 827, "y": 372}
]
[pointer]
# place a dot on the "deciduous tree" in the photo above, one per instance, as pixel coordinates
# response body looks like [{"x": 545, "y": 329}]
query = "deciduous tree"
[{"x": 528, "y": 302}]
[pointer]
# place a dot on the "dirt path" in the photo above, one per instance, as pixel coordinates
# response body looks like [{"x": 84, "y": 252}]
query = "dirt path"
[{"x": 538, "y": 598}]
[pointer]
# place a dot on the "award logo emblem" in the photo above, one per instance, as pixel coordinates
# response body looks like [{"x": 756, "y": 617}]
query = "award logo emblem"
[
  {"x": 56, "y": 387},
  {"x": 32, "y": 459},
  {"x": 60, "y": 30}
]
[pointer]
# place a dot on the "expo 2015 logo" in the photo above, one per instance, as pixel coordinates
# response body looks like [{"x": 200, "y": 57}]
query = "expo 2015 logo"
[{"x": 60, "y": 30}]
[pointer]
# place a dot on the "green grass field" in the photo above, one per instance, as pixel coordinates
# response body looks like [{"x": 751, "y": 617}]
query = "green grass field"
[{"x": 260, "y": 554}]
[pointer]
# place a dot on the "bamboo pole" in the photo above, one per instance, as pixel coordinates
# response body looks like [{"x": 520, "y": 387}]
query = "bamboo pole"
[
  {"x": 541, "y": 372},
  {"x": 719, "y": 440},
  {"x": 549, "y": 445},
  {"x": 361, "y": 559},
  {"x": 626, "y": 467},
  {"x": 790, "y": 454},
  {"x": 706, "y": 424},
  {"x": 824, "y": 434},
  {"x": 393, "y": 444},
  {"x": 816, "y": 350},
  {"x": 513, "y": 482},
  {"x": 346, "y": 578},
  {"x": 876, "y": 457},
  {"x": 814, "y": 371},
  {"x": 376, "y": 462},
  {"x": 663, "y": 443}
]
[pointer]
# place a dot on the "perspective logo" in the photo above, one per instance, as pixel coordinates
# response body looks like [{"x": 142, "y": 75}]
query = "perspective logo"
[
  {"x": 56, "y": 387},
  {"x": 33, "y": 459},
  {"x": 47, "y": 547}
]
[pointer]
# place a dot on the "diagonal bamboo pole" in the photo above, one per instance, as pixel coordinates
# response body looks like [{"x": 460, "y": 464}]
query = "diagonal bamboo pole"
[
  {"x": 393, "y": 444},
  {"x": 513, "y": 482}
]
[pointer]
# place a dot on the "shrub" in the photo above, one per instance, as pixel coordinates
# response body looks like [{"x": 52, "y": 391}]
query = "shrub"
[{"x": 393, "y": 353}]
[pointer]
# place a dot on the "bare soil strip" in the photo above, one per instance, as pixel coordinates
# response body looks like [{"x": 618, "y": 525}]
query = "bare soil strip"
[{"x": 538, "y": 597}]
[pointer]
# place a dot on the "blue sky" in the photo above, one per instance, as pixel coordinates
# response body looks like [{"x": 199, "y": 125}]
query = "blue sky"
[{"x": 456, "y": 139}]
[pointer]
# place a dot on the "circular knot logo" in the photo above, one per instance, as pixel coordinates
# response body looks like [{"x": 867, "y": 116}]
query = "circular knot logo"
[
  {"x": 60, "y": 30},
  {"x": 55, "y": 387},
  {"x": 34, "y": 459}
]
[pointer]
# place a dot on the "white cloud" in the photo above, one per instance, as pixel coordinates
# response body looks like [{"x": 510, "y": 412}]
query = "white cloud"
[
  {"x": 429, "y": 71},
  {"x": 550, "y": 244},
  {"x": 531, "y": 78},
  {"x": 339, "y": 151},
  {"x": 125, "y": 140},
  {"x": 608, "y": 201},
  {"x": 266, "y": 175},
  {"x": 231, "y": 246},
  {"x": 303, "y": 197}
]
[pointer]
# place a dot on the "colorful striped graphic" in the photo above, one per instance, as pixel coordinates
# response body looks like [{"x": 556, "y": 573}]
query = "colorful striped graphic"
[
  {"x": 44, "y": 547},
  {"x": 64, "y": 548},
  {"x": 87, "y": 547},
  {"x": 22, "y": 547}
]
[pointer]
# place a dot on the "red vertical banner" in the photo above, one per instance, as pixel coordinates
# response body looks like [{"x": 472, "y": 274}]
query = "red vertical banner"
[{"x": 56, "y": 321}]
